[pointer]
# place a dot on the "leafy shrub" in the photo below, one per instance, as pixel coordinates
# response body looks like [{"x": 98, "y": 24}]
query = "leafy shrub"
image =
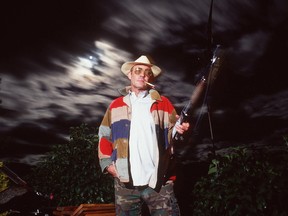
[
  {"x": 71, "y": 172},
  {"x": 244, "y": 182},
  {"x": 4, "y": 183}
]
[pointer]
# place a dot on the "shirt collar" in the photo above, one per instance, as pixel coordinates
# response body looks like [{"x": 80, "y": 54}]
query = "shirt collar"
[
  {"x": 141, "y": 94},
  {"x": 153, "y": 93}
]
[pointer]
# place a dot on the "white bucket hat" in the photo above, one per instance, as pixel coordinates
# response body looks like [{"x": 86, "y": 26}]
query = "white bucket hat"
[{"x": 143, "y": 60}]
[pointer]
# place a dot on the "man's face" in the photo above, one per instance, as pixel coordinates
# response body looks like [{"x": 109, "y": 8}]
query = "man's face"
[{"x": 139, "y": 75}]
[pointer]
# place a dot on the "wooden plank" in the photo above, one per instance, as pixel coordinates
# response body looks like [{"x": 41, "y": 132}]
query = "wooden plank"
[
  {"x": 100, "y": 209},
  {"x": 100, "y": 214},
  {"x": 64, "y": 211}
]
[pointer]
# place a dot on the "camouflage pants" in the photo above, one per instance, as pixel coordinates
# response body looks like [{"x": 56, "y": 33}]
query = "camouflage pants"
[{"x": 129, "y": 201}]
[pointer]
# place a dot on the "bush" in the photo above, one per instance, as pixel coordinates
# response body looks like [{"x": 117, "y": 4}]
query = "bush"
[
  {"x": 244, "y": 182},
  {"x": 4, "y": 183},
  {"x": 71, "y": 172}
]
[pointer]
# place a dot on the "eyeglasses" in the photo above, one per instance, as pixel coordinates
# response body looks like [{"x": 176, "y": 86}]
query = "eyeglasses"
[{"x": 139, "y": 70}]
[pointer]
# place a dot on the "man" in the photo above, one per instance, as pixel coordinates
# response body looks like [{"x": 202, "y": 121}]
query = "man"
[{"x": 135, "y": 144}]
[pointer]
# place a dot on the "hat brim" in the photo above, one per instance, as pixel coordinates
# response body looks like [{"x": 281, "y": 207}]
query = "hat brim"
[{"x": 126, "y": 68}]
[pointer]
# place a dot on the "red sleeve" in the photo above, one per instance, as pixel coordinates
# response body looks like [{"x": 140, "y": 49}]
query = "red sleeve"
[{"x": 105, "y": 146}]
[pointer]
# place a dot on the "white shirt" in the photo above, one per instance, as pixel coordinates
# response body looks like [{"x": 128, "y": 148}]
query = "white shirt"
[{"x": 143, "y": 147}]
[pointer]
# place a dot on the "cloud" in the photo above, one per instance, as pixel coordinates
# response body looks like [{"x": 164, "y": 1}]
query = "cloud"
[
  {"x": 247, "y": 51},
  {"x": 80, "y": 90},
  {"x": 31, "y": 159},
  {"x": 268, "y": 106},
  {"x": 165, "y": 21},
  {"x": 176, "y": 32},
  {"x": 145, "y": 23}
]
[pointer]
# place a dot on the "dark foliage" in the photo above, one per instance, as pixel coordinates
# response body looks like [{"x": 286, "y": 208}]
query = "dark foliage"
[
  {"x": 244, "y": 182},
  {"x": 71, "y": 172}
]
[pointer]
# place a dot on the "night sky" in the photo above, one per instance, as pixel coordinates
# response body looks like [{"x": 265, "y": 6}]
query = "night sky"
[{"x": 60, "y": 66}]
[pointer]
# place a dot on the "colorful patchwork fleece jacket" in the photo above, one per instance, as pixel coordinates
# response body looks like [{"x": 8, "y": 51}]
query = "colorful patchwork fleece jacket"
[{"x": 114, "y": 135}]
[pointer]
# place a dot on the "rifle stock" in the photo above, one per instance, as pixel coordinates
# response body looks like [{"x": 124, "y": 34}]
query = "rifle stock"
[{"x": 187, "y": 110}]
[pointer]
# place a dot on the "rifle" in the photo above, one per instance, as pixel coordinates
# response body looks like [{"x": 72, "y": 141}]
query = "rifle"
[
  {"x": 205, "y": 82},
  {"x": 207, "y": 79}
]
